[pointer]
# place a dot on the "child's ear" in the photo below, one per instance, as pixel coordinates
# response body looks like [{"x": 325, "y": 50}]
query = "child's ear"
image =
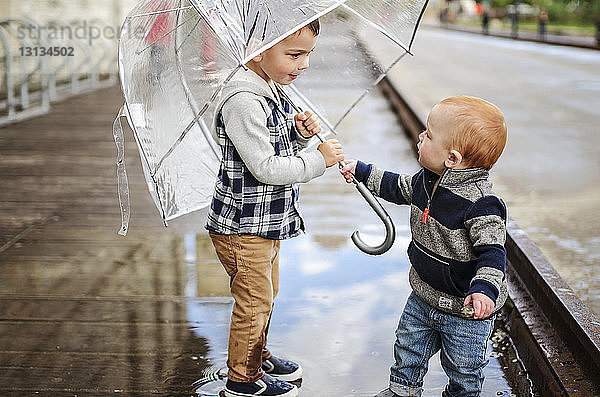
[{"x": 454, "y": 159}]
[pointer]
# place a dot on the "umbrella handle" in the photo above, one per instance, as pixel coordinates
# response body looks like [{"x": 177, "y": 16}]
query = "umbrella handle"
[{"x": 390, "y": 231}]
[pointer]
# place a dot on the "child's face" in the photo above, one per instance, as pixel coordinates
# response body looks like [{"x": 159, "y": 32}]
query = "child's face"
[
  {"x": 286, "y": 60},
  {"x": 434, "y": 142}
]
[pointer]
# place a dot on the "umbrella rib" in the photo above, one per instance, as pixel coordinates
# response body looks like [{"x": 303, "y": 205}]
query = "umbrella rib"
[
  {"x": 188, "y": 35},
  {"x": 158, "y": 12},
  {"x": 231, "y": 47},
  {"x": 220, "y": 15},
  {"x": 240, "y": 13},
  {"x": 163, "y": 36},
  {"x": 333, "y": 128},
  {"x": 377, "y": 81},
  {"x": 313, "y": 108},
  {"x": 418, "y": 23},
  {"x": 189, "y": 95},
  {"x": 194, "y": 121},
  {"x": 237, "y": 6},
  {"x": 252, "y": 30},
  {"x": 377, "y": 27},
  {"x": 266, "y": 21},
  {"x": 151, "y": 23}
]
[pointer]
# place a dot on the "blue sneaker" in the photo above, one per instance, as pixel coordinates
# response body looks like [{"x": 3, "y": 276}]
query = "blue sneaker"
[
  {"x": 282, "y": 369},
  {"x": 265, "y": 386}
]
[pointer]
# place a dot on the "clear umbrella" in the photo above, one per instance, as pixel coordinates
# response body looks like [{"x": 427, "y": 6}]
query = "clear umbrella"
[{"x": 176, "y": 55}]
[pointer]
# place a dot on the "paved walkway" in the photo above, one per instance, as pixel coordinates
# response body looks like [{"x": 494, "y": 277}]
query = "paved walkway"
[{"x": 83, "y": 310}]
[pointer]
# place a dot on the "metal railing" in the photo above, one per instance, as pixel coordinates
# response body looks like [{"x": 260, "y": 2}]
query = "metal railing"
[{"x": 43, "y": 64}]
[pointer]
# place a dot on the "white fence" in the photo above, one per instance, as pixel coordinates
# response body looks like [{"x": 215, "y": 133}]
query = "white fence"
[{"x": 51, "y": 50}]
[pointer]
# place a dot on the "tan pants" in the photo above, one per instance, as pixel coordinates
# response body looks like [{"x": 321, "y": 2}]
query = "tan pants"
[{"x": 252, "y": 263}]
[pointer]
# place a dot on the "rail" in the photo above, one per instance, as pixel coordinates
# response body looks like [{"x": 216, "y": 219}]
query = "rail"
[
  {"x": 44, "y": 64},
  {"x": 556, "y": 335},
  {"x": 586, "y": 42}
]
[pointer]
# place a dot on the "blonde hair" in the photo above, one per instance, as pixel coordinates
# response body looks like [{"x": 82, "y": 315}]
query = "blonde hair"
[{"x": 478, "y": 132}]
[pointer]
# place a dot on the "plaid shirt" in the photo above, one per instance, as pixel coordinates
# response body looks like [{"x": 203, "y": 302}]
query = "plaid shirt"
[{"x": 243, "y": 205}]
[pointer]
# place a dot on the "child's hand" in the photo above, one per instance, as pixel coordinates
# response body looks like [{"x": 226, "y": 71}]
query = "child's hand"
[
  {"x": 348, "y": 170},
  {"x": 307, "y": 124},
  {"x": 483, "y": 305},
  {"x": 332, "y": 152}
]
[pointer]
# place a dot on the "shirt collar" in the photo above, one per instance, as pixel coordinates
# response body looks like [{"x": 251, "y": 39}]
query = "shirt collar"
[{"x": 454, "y": 176}]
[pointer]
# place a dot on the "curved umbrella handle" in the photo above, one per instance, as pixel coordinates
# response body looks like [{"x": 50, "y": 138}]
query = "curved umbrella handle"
[{"x": 390, "y": 231}]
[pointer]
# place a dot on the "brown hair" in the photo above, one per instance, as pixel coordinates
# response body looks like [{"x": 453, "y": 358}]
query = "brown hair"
[
  {"x": 314, "y": 26},
  {"x": 479, "y": 130}
]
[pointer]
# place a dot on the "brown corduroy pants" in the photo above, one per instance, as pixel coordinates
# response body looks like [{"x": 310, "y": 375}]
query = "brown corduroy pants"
[{"x": 252, "y": 264}]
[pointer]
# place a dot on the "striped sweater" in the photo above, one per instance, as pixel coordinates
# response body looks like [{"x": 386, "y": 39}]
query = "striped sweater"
[{"x": 458, "y": 233}]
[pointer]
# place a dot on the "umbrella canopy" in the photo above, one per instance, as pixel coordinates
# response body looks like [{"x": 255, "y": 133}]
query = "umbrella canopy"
[{"x": 176, "y": 55}]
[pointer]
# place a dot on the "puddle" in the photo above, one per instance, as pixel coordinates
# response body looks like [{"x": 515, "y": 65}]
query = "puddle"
[
  {"x": 336, "y": 314},
  {"x": 338, "y": 308},
  {"x": 211, "y": 383}
]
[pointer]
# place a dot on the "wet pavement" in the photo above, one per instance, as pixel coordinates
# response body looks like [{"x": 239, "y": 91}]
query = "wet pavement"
[
  {"x": 549, "y": 174},
  {"x": 85, "y": 311}
]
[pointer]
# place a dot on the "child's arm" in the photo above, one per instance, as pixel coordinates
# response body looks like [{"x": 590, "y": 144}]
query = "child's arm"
[
  {"x": 483, "y": 305},
  {"x": 485, "y": 221},
  {"x": 246, "y": 125},
  {"x": 332, "y": 152},
  {"x": 307, "y": 126},
  {"x": 396, "y": 188}
]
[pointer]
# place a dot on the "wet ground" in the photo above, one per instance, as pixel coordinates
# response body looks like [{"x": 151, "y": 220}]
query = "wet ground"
[
  {"x": 549, "y": 174},
  {"x": 85, "y": 311}
]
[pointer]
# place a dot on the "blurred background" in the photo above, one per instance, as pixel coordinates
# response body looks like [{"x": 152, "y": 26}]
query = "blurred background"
[
  {"x": 150, "y": 312},
  {"x": 83, "y": 36},
  {"x": 560, "y": 17}
]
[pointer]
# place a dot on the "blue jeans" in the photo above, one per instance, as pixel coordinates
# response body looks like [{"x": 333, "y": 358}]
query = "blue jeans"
[{"x": 422, "y": 332}]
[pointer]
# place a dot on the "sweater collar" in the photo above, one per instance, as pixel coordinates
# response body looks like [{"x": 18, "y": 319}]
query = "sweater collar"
[{"x": 468, "y": 175}]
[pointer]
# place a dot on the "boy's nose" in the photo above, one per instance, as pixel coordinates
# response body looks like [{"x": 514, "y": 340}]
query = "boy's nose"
[{"x": 305, "y": 64}]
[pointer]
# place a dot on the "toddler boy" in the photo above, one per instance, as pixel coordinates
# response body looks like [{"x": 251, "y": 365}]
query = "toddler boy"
[{"x": 457, "y": 250}]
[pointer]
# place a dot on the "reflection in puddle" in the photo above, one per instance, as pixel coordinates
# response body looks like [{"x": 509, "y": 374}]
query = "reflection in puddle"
[
  {"x": 208, "y": 316},
  {"x": 336, "y": 314},
  {"x": 211, "y": 382},
  {"x": 337, "y": 308}
]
